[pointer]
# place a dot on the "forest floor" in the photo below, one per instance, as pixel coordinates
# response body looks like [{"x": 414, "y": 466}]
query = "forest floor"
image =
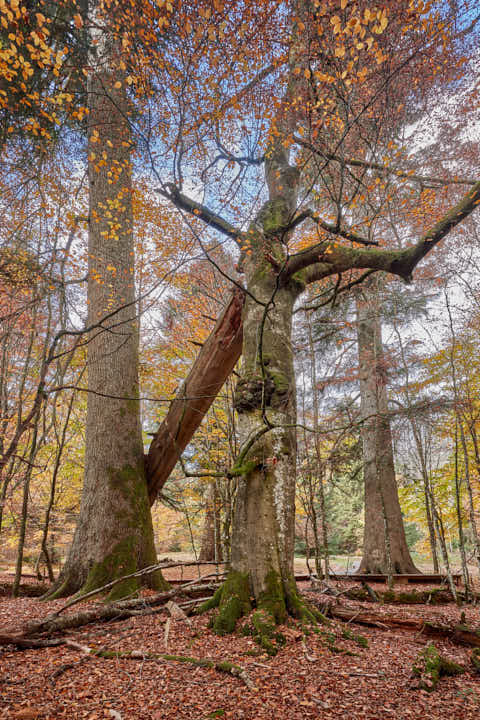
[{"x": 305, "y": 679}]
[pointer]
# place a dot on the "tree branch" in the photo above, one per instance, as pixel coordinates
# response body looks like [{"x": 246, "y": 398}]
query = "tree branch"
[
  {"x": 383, "y": 168},
  {"x": 210, "y": 218}
]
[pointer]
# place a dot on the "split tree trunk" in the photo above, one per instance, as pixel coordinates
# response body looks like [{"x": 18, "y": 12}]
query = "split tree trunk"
[
  {"x": 384, "y": 546},
  {"x": 214, "y": 363},
  {"x": 114, "y": 534}
]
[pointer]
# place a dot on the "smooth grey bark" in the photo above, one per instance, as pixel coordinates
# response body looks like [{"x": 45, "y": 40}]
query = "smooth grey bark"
[
  {"x": 114, "y": 534},
  {"x": 384, "y": 547}
]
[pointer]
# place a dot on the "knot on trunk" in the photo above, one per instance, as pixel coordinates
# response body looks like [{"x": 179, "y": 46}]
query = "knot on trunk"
[{"x": 274, "y": 390}]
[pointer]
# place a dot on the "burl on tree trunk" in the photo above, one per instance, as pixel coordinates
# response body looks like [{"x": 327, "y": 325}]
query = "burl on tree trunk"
[{"x": 385, "y": 547}]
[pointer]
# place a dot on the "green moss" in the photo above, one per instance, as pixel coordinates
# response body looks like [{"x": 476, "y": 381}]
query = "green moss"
[
  {"x": 307, "y": 613},
  {"x": 430, "y": 666},
  {"x": 244, "y": 469},
  {"x": 120, "y": 561},
  {"x": 274, "y": 216},
  {"x": 233, "y": 602},
  {"x": 211, "y": 603},
  {"x": 360, "y": 640},
  {"x": 272, "y": 599}
]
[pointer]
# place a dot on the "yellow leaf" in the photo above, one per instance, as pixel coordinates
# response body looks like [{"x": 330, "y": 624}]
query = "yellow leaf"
[{"x": 77, "y": 19}]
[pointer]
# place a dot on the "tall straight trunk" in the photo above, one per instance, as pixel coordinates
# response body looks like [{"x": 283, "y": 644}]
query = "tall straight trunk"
[
  {"x": 318, "y": 451},
  {"x": 471, "y": 504},
  {"x": 114, "y": 534},
  {"x": 384, "y": 546},
  {"x": 211, "y": 547},
  {"x": 458, "y": 509},
  {"x": 23, "y": 517}
]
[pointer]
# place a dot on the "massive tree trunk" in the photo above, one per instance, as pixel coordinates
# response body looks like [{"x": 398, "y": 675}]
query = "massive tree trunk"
[
  {"x": 114, "y": 534},
  {"x": 384, "y": 546}
]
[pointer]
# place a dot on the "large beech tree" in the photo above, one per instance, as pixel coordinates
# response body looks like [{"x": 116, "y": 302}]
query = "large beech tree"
[
  {"x": 275, "y": 277},
  {"x": 324, "y": 78}
]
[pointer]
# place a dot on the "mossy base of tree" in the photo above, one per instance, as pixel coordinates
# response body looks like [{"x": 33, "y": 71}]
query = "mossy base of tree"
[
  {"x": 273, "y": 607},
  {"x": 119, "y": 562},
  {"x": 430, "y": 666}
]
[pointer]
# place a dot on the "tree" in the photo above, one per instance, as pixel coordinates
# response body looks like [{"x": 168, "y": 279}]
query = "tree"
[
  {"x": 262, "y": 557},
  {"x": 107, "y": 547},
  {"x": 384, "y": 546}
]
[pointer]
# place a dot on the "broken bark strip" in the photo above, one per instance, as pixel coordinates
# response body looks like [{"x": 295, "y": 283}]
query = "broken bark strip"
[
  {"x": 458, "y": 634},
  {"x": 219, "y": 665},
  {"x": 213, "y": 365}
]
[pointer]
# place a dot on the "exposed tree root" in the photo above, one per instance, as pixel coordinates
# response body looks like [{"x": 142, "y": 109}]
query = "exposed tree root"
[
  {"x": 430, "y": 666},
  {"x": 273, "y": 608}
]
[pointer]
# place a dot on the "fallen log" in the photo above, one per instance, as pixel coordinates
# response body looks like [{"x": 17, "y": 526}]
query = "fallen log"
[
  {"x": 458, "y": 634},
  {"x": 24, "y": 589},
  {"x": 116, "y": 611}
]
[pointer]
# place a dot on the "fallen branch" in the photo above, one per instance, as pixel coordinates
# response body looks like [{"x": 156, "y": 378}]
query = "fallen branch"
[
  {"x": 117, "y": 611},
  {"x": 25, "y": 643},
  {"x": 219, "y": 665},
  {"x": 458, "y": 634}
]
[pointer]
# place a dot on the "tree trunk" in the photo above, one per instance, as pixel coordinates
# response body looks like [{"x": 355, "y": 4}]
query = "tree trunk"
[
  {"x": 263, "y": 528},
  {"x": 211, "y": 547},
  {"x": 384, "y": 547},
  {"x": 114, "y": 534}
]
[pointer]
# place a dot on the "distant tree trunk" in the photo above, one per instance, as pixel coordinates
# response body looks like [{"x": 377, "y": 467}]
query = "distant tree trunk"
[
  {"x": 320, "y": 463},
  {"x": 23, "y": 517},
  {"x": 384, "y": 547},
  {"x": 211, "y": 547},
  {"x": 114, "y": 534}
]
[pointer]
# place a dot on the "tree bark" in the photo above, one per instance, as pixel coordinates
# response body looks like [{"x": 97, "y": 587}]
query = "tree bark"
[
  {"x": 384, "y": 547},
  {"x": 114, "y": 534}
]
